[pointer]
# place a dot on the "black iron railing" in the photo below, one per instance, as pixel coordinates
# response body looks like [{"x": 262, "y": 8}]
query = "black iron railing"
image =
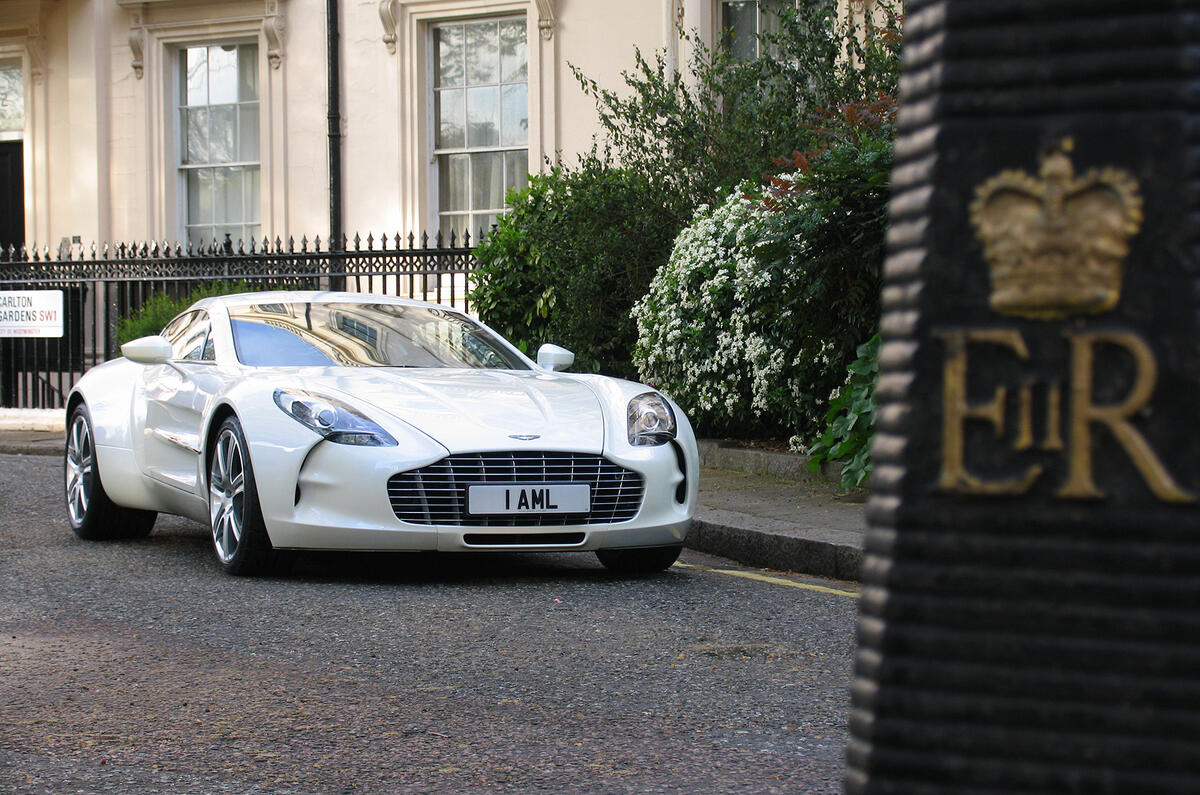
[{"x": 103, "y": 284}]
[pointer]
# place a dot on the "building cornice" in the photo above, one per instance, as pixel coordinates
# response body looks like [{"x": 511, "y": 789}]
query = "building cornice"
[
  {"x": 272, "y": 20},
  {"x": 546, "y": 20},
  {"x": 22, "y": 20}
]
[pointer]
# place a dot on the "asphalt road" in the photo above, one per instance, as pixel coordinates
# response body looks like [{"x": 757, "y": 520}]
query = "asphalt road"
[{"x": 138, "y": 667}]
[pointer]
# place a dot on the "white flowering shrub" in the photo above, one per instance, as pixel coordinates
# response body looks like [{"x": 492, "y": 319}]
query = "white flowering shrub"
[
  {"x": 692, "y": 332},
  {"x": 714, "y": 334},
  {"x": 753, "y": 320}
]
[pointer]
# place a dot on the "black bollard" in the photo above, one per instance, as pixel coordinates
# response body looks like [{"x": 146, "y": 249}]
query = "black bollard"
[{"x": 1030, "y": 619}]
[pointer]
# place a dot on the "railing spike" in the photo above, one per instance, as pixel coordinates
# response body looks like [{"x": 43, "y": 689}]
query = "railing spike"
[
  {"x": 424, "y": 240},
  {"x": 412, "y": 239},
  {"x": 439, "y": 238},
  {"x": 466, "y": 241}
]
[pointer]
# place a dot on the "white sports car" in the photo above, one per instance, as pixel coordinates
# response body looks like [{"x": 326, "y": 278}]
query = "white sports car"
[{"x": 344, "y": 421}]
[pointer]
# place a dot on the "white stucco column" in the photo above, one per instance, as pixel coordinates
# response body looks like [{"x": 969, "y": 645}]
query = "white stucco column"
[{"x": 89, "y": 75}]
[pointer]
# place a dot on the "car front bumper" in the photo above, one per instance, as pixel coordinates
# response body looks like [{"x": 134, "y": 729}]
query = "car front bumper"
[{"x": 335, "y": 497}]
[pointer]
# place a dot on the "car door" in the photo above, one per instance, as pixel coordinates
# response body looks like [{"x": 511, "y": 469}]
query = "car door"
[{"x": 175, "y": 400}]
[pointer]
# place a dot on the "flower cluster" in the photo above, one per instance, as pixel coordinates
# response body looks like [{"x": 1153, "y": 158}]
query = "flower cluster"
[{"x": 719, "y": 327}]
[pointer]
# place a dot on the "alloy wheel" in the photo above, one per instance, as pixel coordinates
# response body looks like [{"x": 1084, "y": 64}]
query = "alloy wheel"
[
  {"x": 80, "y": 469},
  {"x": 227, "y": 492}
]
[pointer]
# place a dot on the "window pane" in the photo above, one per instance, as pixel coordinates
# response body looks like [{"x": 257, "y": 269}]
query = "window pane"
[
  {"x": 190, "y": 343},
  {"x": 452, "y": 118},
  {"x": 196, "y": 133},
  {"x": 248, "y": 132},
  {"x": 200, "y": 196},
  {"x": 196, "y": 76},
  {"x": 483, "y": 116},
  {"x": 227, "y": 195},
  {"x": 222, "y": 74},
  {"x": 512, "y": 50},
  {"x": 481, "y": 225},
  {"x": 453, "y": 182},
  {"x": 12, "y": 98},
  {"x": 515, "y": 115},
  {"x": 487, "y": 180},
  {"x": 483, "y": 53},
  {"x": 456, "y": 223},
  {"x": 199, "y": 235},
  {"x": 740, "y": 23},
  {"x": 248, "y": 72},
  {"x": 516, "y": 170},
  {"x": 222, "y": 128},
  {"x": 448, "y": 61},
  {"x": 251, "y": 203}
]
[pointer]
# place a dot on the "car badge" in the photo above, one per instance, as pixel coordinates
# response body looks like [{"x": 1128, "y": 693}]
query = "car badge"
[{"x": 524, "y": 437}]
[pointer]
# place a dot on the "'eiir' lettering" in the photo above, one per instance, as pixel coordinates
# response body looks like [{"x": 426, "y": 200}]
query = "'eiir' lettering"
[{"x": 1082, "y": 415}]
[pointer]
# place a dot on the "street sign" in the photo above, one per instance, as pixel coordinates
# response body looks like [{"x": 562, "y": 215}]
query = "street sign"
[{"x": 31, "y": 313}]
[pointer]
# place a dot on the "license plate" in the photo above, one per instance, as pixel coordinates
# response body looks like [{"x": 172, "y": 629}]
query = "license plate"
[{"x": 540, "y": 498}]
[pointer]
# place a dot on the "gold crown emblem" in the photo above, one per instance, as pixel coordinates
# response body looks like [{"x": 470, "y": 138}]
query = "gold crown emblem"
[{"x": 1055, "y": 246}]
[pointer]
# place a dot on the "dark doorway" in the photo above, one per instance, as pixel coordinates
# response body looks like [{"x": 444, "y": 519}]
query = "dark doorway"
[{"x": 12, "y": 194}]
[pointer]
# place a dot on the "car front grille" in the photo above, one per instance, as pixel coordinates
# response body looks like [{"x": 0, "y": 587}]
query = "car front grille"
[{"x": 437, "y": 494}]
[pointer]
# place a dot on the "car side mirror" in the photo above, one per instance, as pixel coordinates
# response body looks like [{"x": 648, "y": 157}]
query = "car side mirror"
[
  {"x": 148, "y": 350},
  {"x": 552, "y": 357}
]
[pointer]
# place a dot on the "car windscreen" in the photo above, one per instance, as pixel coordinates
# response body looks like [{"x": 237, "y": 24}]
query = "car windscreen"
[{"x": 363, "y": 335}]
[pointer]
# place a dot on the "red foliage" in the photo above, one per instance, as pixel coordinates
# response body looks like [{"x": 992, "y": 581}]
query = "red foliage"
[{"x": 874, "y": 113}]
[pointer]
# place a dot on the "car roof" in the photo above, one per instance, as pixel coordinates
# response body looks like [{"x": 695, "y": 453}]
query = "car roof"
[{"x": 313, "y": 297}]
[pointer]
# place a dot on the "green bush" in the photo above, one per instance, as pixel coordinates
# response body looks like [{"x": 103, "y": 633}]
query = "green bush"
[
  {"x": 757, "y": 313},
  {"x": 568, "y": 262},
  {"x": 850, "y": 421},
  {"x": 158, "y": 310}
]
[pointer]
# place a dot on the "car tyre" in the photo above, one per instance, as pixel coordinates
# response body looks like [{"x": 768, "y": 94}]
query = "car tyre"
[
  {"x": 239, "y": 533},
  {"x": 639, "y": 561},
  {"x": 93, "y": 516}
]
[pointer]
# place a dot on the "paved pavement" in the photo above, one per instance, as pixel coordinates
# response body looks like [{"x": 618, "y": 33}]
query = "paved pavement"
[{"x": 757, "y": 507}]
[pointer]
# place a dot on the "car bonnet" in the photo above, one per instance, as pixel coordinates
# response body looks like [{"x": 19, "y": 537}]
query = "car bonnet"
[{"x": 467, "y": 410}]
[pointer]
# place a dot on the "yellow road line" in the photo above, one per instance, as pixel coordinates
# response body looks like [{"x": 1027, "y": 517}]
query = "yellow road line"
[{"x": 750, "y": 575}]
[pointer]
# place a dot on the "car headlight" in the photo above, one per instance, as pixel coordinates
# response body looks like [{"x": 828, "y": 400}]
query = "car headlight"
[
  {"x": 651, "y": 420},
  {"x": 332, "y": 419}
]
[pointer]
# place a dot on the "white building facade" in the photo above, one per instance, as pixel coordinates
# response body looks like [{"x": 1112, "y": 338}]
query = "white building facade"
[{"x": 131, "y": 120}]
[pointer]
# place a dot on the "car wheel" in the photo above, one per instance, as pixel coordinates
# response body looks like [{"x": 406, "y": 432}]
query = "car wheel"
[
  {"x": 639, "y": 561},
  {"x": 239, "y": 534},
  {"x": 93, "y": 516}
]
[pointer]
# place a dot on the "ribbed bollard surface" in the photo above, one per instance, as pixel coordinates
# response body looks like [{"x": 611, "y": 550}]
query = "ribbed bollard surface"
[{"x": 1031, "y": 612}]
